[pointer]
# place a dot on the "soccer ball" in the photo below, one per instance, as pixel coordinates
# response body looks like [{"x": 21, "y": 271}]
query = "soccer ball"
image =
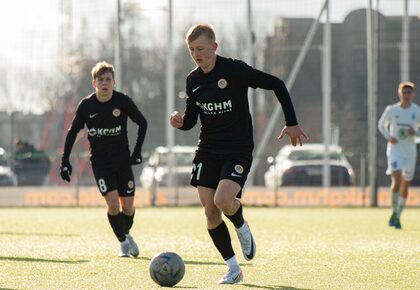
[{"x": 167, "y": 269}]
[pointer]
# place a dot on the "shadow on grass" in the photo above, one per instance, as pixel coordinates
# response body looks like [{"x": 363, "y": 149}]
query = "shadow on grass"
[
  {"x": 26, "y": 259},
  {"x": 272, "y": 287},
  {"x": 188, "y": 262},
  {"x": 412, "y": 230},
  {"x": 202, "y": 263},
  {"x": 37, "y": 234},
  {"x": 141, "y": 258}
]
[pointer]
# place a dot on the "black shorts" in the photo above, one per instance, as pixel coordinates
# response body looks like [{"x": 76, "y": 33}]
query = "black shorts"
[
  {"x": 209, "y": 169},
  {"x": 120, "y": 178}
]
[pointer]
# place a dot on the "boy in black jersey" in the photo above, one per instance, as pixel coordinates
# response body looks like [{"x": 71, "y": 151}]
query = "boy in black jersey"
[
  {"x": 217, "y": 93},
  {"x": 105, "y": 113}
]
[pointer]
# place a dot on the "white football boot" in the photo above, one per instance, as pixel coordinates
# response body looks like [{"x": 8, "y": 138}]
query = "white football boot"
[
  {"x": 233, "y": 276},
  {"x": 125, "y": 249},
  {"x": 247, "y": 241},
  {"x": 134, "y": 249}
]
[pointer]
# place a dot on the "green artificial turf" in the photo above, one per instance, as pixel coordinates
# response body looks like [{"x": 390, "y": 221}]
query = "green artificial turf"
[{"x": 74, "y": 248}]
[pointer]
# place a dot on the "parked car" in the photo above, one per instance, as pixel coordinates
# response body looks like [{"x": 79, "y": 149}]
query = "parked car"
[
  {"x": 156, "y": 169},
  {"x": 7, "y": 176},
  {"x": 31, "y": 165},
  {"x": 303, "y": 166}
]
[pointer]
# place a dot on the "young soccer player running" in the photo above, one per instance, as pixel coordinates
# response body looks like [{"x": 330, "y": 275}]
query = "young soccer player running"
[
  {"x": 217, "y": 93},
  {"x": 105, "y": 113},
  {"x": 399, "y": 124}
]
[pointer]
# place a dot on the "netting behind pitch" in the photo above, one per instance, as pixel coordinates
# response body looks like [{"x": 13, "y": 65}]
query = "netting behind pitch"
[{"x": 50, "y": 47}]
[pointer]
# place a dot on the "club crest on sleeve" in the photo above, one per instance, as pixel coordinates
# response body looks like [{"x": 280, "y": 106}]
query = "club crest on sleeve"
[{"x": 222, "y": 83}]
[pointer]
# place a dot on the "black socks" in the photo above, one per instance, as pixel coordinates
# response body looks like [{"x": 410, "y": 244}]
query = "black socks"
[
  {"x": 237, "y": 218},
  {"x": 118, "y": 225},
  {"x": 221, "y": 240},
  {"x": 128, "y": 221}
]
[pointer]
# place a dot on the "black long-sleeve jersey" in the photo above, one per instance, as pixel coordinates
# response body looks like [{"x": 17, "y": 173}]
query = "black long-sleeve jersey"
[
  {"x": 220, "y": 98},
  {"x": 106, "y": 125}
]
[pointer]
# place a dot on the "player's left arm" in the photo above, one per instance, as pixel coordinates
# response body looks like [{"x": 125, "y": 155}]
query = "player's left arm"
[
  {"x": 417, "y": 128},
  {"x": 137, "y": 117},
  {"x": 414, "y": 129},
  {"x": 258, "y": 79}
]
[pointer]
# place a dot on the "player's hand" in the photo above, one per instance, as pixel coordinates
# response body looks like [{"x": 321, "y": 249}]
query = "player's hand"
[
  {"x": 136, "y": 160},
  {"x": 176, "y": 120},
  {"x": 392, "y": 140},
  {"x": 411, "y": 131},
  {"x": 65, "y": 170},
  {"x": 295, "y": 134}
]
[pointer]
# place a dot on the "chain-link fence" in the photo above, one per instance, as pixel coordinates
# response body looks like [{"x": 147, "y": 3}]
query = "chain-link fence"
[{"x": 46, "y": 69}]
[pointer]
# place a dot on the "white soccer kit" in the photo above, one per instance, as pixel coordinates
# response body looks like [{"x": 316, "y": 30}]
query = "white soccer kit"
[{"x": 395, "y": 122}]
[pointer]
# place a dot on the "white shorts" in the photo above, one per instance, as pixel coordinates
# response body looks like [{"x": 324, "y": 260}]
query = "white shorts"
[{"x": 404, "y": 161}]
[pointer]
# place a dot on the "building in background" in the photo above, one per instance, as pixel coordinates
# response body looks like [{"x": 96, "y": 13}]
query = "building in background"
[{"x": 349, "y": 77}]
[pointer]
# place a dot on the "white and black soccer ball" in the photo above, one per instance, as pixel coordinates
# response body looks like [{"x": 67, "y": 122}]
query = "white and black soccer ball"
[{"x": 167, "y": 269}]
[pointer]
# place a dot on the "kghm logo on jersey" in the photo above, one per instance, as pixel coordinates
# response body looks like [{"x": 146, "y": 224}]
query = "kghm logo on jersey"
[
  {"x": 116, "y": 112},
  {"x": 222, "y": 83},
  {"x": 216, "y": 107},
  {"x": 103, "y": 132}
]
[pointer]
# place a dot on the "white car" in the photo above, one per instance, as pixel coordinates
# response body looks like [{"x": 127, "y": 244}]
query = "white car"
[
  {"x": 303, "y": 166},
  {"x": 156, "y": 169},
  {"x": 7, "y": 176}
]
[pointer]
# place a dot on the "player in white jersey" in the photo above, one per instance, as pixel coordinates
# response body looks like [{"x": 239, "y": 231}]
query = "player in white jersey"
[{"x": 399, "y": 124}]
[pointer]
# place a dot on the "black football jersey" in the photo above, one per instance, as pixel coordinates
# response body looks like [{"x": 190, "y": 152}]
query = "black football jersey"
[
  {"x": 106, "y": 125},
  {"x": 220, "y": 99}
]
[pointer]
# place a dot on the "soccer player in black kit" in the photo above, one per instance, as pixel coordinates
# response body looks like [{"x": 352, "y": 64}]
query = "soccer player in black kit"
[
  {"x": 217, "y": 93},
  {"x": 105, "y": 113}
]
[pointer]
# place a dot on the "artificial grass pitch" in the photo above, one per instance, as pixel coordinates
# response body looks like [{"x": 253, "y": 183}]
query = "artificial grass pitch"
[{"x": 74, "y": 248}]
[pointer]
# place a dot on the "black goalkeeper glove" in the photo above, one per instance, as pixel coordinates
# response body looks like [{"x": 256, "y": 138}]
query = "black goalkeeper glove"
[
  {"x": 136, "y": 160},
  {"x": 65, "y": 170}
]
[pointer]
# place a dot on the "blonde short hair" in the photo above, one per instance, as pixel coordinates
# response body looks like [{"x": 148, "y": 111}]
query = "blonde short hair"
[
  {"x": 200, "y": 29},
  {"x": 100, "y": 68},
  {"x": 403, "y": 85}
]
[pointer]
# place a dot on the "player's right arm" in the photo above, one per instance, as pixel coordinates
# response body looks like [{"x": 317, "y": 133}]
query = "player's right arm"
[
  {"x": 189, "y": 119},
  {"x": 383, "y": 125},
  {"x": 77, "y": 124}
]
